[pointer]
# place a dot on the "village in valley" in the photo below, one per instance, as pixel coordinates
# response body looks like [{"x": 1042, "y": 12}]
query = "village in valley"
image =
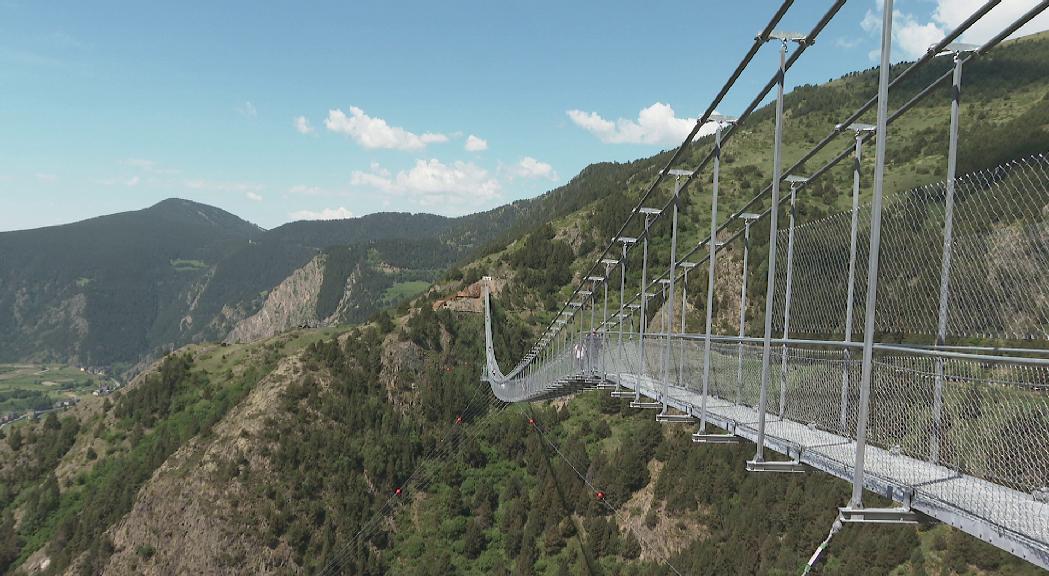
[{"x": 29, "y": 391}]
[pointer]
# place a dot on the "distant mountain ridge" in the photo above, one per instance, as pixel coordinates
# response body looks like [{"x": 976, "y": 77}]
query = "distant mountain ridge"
[
  {"x": 220, "y": 458},
  {"x": 112, "y": 290}
]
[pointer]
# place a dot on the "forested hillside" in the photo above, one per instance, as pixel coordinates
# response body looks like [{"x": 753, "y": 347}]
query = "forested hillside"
[
  {"x": 375, "y": 449},
  {"x": 111, "y": 291}
]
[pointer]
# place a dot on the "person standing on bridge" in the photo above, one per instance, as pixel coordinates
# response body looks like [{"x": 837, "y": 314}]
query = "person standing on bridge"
[{"x": 579, "y": 351}]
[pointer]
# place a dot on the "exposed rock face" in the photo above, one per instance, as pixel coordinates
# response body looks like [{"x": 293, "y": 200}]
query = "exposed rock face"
[
  {"x": 402, "y": 367},
  {"x": 726, "y": 299},
  {"x": 292, "y": 303},
  {"x": 470, "y": 298},
  {"x": 671, "y": 532},
  {"x": 656, "y": 323},
  {"x": 192, "y": 299},
  {"x": 63, "y": 324},
  {"x": 190, "y": 515},
  {"x": 348, "y": 303}
]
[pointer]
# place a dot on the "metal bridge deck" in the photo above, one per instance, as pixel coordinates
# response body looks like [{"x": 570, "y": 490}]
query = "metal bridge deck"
[{"x": 945, "y": 493}]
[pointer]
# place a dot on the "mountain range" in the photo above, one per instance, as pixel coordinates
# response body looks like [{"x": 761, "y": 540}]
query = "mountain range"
[{"x": 372, "y": 448}]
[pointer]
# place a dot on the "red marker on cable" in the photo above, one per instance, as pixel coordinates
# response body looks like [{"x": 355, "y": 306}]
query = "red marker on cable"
[
  {"x": 600, "y": 496},
  {"x": 397, "y": 492}
]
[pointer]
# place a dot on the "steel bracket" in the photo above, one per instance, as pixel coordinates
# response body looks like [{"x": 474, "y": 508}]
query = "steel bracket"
[
  {"x": 672, "y": 418},
  {"x": 703, "y": 438},
  {"x": 895, "y": 515},
  {"x": 792, "y": 466}
]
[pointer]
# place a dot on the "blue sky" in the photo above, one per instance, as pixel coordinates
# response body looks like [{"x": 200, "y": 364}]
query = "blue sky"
[{"x": 279, "y": 111}]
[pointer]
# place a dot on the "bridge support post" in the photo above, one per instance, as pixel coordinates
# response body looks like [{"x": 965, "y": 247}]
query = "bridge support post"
[
  {"x": 576, "y": 352},
  {"x": 619, "y": 345},
  {"x": 686, "y": 267},
  {"x": 770, "y": 292},
  {"x": 563, "y": 340},
  {"x": 712, "y": 248},
  {"x": 795, "y": 181},
  {"x": 643, "y": 317},
  {"x": 872, "y": 264},
  {"x": 860, "y": 130},
  {"x": 593, "y": 305},
  {"x": 638, "y": 402},
  {"x": 604, "y": 328},
  {"x": 619, "y": 392},
  {"x": 643, "y": 314},
  {"x": 664, "y": 319},
  {"x": 579, "y": 324},
  {"x": 668, "y": 304},
  {"x": 747, "y": 219},
  {"x": 609, "y": 264},
  {"x": 948, "y": 236}
]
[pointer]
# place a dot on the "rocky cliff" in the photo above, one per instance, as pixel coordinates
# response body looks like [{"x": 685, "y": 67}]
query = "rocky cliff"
[{"x": 291, "y": 304}]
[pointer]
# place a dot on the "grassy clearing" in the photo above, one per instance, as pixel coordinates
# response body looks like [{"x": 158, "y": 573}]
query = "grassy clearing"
[
  {"x": 182, "y": 265},
  {"x": 404, "y": 290},
  {"x": 34, "y": 386}
]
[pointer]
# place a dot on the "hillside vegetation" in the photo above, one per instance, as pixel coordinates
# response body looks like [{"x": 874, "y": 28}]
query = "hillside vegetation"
[{"x": 286, "y": 455}]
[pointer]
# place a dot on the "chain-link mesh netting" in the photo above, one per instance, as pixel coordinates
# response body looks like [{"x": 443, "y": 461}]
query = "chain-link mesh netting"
[
  {"x": 967, "y": 431},
  {"x": 990, "y": 442},
  {"x": 999, "y": 259},
  {"x": 990, "y": 459}
]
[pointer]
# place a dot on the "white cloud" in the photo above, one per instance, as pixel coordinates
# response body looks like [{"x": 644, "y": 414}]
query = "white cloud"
[
  {"x": 140, "y": 163},
  {"x": 339, "y": 213},
  {"x": 221, "y": 186},
  {"x": 253, "y": 196},
  {"x": 475, "y": 144},
  {"x": 148, "y": 166},
  {"x": 951, "y": 13},
  {"x": 133, "y": 181},
  {"x": 247, "y": 110},
  {"x": 871, "y": 22},
  {"x": 529, "y": 167},
  {"x": 302, "y": 125},
  {"x": 372, "y": 132},
  {"x": 912, "y": 36},
  {"x": 304, "y": 190},
  {"x": 46, "y": 177},
  {"x": 656, "y": 125},
  {"x": 432, "y": 184}
]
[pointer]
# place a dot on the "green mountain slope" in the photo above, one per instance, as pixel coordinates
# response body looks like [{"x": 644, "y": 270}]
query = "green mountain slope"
[
  {"x": 113, "y": 290},
  {"x": 98, "y": 290},
  {"x": 286, "y": 456}
]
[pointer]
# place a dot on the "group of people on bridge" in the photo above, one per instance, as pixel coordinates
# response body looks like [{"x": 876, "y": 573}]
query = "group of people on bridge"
[{"x": 586, "y": 351}]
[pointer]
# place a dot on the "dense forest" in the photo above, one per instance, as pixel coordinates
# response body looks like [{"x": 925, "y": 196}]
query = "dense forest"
[
  {"x": 375, "y": 449},
  {"x": 427, "y": 474}
]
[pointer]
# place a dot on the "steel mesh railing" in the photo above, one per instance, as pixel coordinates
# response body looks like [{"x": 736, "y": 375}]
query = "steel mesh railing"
[
  {"x": 999, "y": 260},
  {"x": 967, "y": 431},
  {"x": 992, "y": 458}
]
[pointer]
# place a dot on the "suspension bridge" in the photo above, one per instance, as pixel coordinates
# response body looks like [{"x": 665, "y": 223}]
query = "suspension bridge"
[{"x": 925, "y": 381}]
